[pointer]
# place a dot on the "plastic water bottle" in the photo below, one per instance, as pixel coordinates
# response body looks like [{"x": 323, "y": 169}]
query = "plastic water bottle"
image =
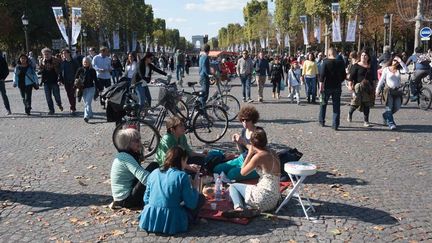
[{"x": 218, "y": 189}]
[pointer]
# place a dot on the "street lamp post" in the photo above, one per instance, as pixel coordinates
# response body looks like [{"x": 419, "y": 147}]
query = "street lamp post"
[
  {"x": 360, "y": 26},
  {"x": 84, "y": 34},
  {"x": 390, "y": 31},
  {"x": 147, "y": 43},
  {"x": 25, "y": 23},
  {"x": 386, "y": 25}
]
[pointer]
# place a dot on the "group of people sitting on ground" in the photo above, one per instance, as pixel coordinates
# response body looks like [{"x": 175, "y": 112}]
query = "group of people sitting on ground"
[{"x": 168, "y": 190}]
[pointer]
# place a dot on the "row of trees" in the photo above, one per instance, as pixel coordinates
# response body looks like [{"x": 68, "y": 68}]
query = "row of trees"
[
  {"x": 260, "y": 23},
  {"x": 99, "y": 19}
]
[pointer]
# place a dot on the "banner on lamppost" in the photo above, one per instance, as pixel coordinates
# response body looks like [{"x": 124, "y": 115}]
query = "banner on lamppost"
[
  {"x": 278, "y": 37},
  {"x": 336, "y": 28},
  {"x": 262, "y": 42},
  {"x": 134, "y": 40},
  {"x": 303, "y": 21},
  {"x": 287, "y": 40},
  {"x": 58, "y": 15},
  {"x": 317, "y": 29},
  {"x": 116, "y": 40},
  {"x": 267, "y": 44},
  {"x": 76, "y": 24},
  {"x": 351, "y": 29}
]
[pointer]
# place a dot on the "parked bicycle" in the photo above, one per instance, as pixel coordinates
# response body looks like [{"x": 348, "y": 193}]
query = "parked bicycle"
[
  {"x": 424, "y": 99},
  {"x": 220, "y": 98}
]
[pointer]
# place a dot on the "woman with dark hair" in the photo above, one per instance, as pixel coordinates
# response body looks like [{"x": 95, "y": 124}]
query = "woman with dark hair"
[
  {"x": 144, "y": 72},
  {"x": 171, "y": 199},
  {"x": 25, "y": 78},
  {"x": 248, "y": 117},
  {"x": 128, "y": 177},
  {"x": 265, "y": 195},
  {"x": 363, "y": 96},
  {"x": 131, "y": 65},
  {"x": 117, "y": 68},
  {"x": 391, "y": 81}
]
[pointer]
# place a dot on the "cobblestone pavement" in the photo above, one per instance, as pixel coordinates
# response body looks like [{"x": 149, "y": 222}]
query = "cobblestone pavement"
[{"x": 372, "y": 184}]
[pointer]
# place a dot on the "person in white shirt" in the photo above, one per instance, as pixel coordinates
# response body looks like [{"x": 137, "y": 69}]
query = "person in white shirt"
[
  {"x": 102, "y": 64},
  {"x": 131, "y": 65},
  {"x": 392, "y": 95}
]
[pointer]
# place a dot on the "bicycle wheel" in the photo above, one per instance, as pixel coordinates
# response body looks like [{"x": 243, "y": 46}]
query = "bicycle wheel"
[
  {"x": 180, "y": 110},
  {"x": 207, "y": 125},
  {"x": 149, "y": 135},
  {"x": 425, "y": 98},
  {"x": 426, "y": 80},
  {"x": 406, "y": 94},
  {"x": 230, "y": 104}
]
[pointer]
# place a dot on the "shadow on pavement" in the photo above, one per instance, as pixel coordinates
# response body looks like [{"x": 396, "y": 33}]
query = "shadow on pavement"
[
  {"x": 342, "y": 210},
  {"x": 324, "y": 177},
  {"x": 415, "y": 128},
  {"x": 47, "y": 201},
  {"x": 285, "y": 121}
]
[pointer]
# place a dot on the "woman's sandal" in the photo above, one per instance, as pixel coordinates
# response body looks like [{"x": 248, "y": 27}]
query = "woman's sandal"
[{"x": 245, "y": 213}]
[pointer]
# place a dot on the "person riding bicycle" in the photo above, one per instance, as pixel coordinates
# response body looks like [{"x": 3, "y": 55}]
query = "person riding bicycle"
[{"x": 421, "y": 69}]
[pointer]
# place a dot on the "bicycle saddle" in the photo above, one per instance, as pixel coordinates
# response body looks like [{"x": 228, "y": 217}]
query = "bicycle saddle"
[{"x": 190, "y": 84}]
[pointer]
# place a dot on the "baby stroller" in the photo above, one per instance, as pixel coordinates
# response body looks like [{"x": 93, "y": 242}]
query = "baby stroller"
[{"x": 115, "y": 97}]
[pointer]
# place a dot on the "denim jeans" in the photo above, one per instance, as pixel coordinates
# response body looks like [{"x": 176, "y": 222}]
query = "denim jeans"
[
  {"x": 88, "y": 94},
  {"x": 52, "y": 89},
  {"x": 26, "y": 95},
  {"x": 179, "y": 72},
  {"x": 246, "y": 85},
  {"x": 393, "y": 104},
  {"x": 205, "y": 89},
  {"x": 311, "y": 91},
  {"x": 70, "y": 91},
  {"x": 418, "y": 76},
  {"x": 4, "y": 96},
  {"x": 144, "y": 95},
  {"x": 232, "y": 169},
  {"x": 261, "y": 83},
  {"x": 336, "y": 98},
  {"x": 237, "y": 193},
  {"x": 115, "y": 74}
]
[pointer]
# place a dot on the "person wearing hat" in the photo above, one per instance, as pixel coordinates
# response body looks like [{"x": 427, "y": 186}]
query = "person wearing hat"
[{"x": 144, "y": 72}]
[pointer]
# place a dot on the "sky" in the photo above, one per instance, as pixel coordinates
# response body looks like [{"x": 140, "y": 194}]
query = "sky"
[{"x": 199, "y": 17}]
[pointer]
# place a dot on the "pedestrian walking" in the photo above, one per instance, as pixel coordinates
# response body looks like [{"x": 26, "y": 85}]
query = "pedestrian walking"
[
  {"x": 117, "y": 68},
  {"x": 4, "y": 72},
  {"x": 25, "y": 78},
  {"x": 244, "y": 71},
  {"x": 180, "y": 65},
  {"x": 49, "y": 69},
  {"x": 204, "y": 72},
  {"x": 310, "y": 74},
  {"x": 359, "y": 72},
  {"x": 87, "y": 79},
  {"x": 262, "y": 70},
  {"x": 68, "y": 69},
  {"x": 421, "y": 69},
  {"x": 277, "y": 76},
  {"x": 293, "y": 82},
  {"x": 131, "y": 65},
  {"x": 332, "y": 76},
  {"x": 102, "y": 64},
  {"x": 392, "y": 95},
  {"x": 171, "y": 64}
]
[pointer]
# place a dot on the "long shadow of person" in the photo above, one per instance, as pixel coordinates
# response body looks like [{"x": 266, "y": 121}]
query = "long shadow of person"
[{"x": 47, "y": 201}]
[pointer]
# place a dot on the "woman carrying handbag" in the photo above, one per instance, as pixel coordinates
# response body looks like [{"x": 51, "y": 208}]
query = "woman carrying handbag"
[{"x": 25, "y": 78}]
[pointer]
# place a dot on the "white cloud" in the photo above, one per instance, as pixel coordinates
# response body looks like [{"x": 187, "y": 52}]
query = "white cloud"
[
  {"x": 176, "y": 20},
  {"x": 216, "y": 5}
]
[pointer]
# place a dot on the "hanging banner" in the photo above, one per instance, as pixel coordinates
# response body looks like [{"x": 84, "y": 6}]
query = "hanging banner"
[
  {"x": 116, "y": 40},
  {"x": 134, "y": 40},
  {"x": 262, "y": 42},
  {"x": 58, "y": 15},
  {"x": 351, "y": 29},
  {"x": 317, "y": 29},
  {"x": 303, "y": 21},
  {"x": 76, "y": 24},
  {"x": 336, "y": 29},
  {"x": 287, "y": 40},
  {"x": 267, "y": 44}
]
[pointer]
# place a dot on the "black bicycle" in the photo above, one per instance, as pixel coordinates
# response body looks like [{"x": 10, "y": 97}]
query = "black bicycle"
[{"x": 424, "y": 99}]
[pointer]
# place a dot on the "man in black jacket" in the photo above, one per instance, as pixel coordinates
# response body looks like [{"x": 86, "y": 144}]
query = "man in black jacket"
[
  {"x": 332, "y": 75},
  {"x": 4, "y": 72}
]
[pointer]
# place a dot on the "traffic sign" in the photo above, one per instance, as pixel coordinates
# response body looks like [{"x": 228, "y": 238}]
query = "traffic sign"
[{"x": 425, "y": 32}]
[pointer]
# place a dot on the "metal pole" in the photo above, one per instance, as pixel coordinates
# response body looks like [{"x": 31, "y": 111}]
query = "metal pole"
[
  {"x": 26, "y": 39},
  {"x": 418, "y": 23},
  {"x": 385, "y": 36},
  {"x": 359, "y": 42},
  {"x": 390, "y": 32}
]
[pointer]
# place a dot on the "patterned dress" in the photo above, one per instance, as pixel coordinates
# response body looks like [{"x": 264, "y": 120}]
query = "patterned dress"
[{"x": 265, "y": 194}]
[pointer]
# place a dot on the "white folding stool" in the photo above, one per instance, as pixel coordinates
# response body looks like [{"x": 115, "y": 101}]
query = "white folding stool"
[{"x": 297, "y": 172}]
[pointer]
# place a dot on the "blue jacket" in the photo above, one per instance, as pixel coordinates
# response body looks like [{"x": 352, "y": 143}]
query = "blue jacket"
[
  {"x": 30, "y": 78},
  {"x": 163, "y": 212},
  {"x": 204, "y": 65},
  {"x": 262, "y": 67}
]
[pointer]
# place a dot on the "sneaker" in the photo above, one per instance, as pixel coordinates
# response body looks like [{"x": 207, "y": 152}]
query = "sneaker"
[
  {"x": 115, "y": 205},
  {"x": 249, "y": 100},
  {"x": 366, "y": 124},
  {"x": 8, "y": 113},
  {"x": 51, "y": 113},
  {"x": 86, "y": 120},
  {"x": 244, "y": 99},
  {"x": 392, "y": 127},
  {"x": 260, "y": 100},
  {"x": 349, "y": 118},
  {"x": 60, "y": 108}
]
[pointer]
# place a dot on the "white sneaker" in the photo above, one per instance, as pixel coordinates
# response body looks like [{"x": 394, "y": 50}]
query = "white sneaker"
[
  {"x": 392, "y": 127},
  {"x": 349, "y": 119},
  {"x": 366, "y": 124}
]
